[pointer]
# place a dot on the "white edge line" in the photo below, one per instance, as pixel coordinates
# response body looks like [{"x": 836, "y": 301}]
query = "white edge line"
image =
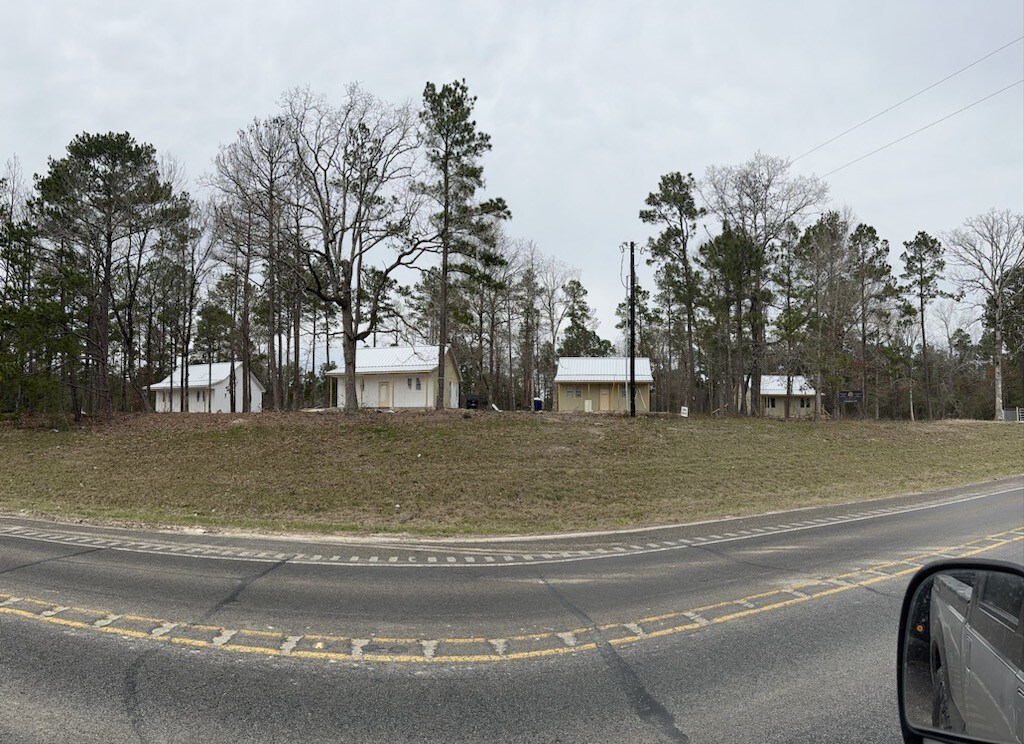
[{"x": 534, "y": 562}]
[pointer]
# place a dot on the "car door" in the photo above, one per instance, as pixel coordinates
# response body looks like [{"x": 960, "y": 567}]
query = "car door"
[{"x": 994, "y": 657}]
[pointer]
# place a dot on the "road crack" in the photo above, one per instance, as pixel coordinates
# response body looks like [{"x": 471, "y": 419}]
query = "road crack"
[
  {"x": 131, "y": 694},
  {"x": 644, "y": 704},
  {"x": 237, "y": 591},
  {"x": 49, "y": 560}
]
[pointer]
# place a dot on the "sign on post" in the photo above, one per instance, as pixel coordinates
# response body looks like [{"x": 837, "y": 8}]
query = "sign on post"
[
  {"x": 850, "y": 396},
  {"x": 684, "y": 411}
]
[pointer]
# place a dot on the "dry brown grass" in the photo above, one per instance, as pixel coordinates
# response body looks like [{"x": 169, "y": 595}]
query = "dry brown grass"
[{"x": 488, "y": 473}]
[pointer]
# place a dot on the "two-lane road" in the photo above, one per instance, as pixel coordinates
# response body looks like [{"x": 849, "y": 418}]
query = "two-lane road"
[{"x": 773, "y": 628}]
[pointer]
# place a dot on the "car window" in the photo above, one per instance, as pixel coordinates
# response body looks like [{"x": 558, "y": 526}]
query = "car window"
[
  {"x": 1003, "y": 596},
  {"x": 996, "y": 616}
]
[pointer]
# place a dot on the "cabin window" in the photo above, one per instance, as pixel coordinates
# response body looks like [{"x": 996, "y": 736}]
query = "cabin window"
[
  {"x": 408, "y": 382},
  {"x": 623, "y": 391},
  {"x": 418, "y": 387},
  {"x": 805, "y": 402},
  {"x": 770, "y": 402},
  {"x": 579, "y": 392}
]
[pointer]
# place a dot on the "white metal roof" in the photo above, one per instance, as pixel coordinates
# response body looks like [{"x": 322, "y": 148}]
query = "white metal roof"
[
  {"x": 602, "y": 369},
  {"x": 776, "y": 385},
  {"x": 382, "y": 360},
  {"x": 201, "y": 376}
]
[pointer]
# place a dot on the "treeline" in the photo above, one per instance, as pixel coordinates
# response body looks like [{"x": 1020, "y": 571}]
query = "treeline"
[
  {"x": 361, "y": 221},
  {"x": 365, "y": 222},
  {"x": 784, "y": 286}
]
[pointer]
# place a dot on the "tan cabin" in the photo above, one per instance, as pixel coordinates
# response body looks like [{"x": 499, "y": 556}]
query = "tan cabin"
[
  {"x": 595, "y": 384},
  {"x": 774, "y": 393},
  {"x": 398, "y": 377}
]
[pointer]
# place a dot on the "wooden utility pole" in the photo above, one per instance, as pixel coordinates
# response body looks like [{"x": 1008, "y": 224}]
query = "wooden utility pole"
[{"x": 632, "y": 329}]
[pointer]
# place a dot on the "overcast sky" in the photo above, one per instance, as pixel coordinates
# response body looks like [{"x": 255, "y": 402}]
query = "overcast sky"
[{"x": 587, "y": 103}]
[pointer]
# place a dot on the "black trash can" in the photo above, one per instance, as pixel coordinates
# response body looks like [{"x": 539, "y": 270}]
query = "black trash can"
[
  {"x": 473, "y": 401},
  {"x": 538, "y": 404}
]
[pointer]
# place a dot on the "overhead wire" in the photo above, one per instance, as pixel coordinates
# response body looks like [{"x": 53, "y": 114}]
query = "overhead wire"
[
  {"x": 908, "y": 98},
  {"x": 927, "y": 126}
]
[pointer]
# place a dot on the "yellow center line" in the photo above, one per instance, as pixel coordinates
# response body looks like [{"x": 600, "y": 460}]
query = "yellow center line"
[{"x": 991, "y": 542}]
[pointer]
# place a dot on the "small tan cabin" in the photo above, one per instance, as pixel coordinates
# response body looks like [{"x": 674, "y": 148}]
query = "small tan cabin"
[
  {"x": 774, "y": 390},
  {"x": 595, "y": 384},
  {"x": 398, "y": 377}
]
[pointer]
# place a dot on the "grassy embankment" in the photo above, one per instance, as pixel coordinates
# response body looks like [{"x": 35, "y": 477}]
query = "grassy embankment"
[{"x": 446, "y": 474}]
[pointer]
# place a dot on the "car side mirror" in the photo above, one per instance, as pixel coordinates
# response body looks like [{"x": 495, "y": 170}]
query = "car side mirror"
[{"x": 960, "y": 661}]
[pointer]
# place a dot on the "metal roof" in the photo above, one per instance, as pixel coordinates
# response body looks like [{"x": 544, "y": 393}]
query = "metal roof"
[
  {"x": 201, "y": 376},
  {"x": 602, "y": 369},
  {"x": 776, "y": 385},
  {"x": 373, "y": 360}
]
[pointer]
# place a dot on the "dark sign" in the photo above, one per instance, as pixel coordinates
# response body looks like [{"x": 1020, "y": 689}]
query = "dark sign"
[{"x": 850, "y": 396}]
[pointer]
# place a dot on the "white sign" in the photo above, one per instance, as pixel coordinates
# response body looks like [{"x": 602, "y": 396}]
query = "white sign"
[{"x": 684, "y": 411}]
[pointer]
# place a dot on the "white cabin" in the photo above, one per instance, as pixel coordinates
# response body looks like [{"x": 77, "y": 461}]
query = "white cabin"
[
  {"x": 397, "y": 377},
  {"x": 209, "y": 390}
]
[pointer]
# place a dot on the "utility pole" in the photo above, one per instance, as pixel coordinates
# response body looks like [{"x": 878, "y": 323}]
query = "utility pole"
[{"x": 632, "y": 329}]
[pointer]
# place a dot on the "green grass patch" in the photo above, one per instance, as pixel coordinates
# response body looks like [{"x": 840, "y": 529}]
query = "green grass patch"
[{"x": 488, "y": 473}]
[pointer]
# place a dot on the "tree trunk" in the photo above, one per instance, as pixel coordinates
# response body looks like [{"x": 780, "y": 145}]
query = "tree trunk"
[
  {"x": 297, "y": 309},
  {"x": 741, "y": 403},
  {"x": 105, "y": 403},
  {"x": 789, "y": 393},
  {"x": 327, "y": 353},
  {"x": 442, "y": 328},
  {"x": 997, "y": 362},
  {"x": 246, "y": 314}
]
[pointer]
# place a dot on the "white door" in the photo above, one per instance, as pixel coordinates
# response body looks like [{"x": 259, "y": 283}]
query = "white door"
[{"x": 384, "y": 394}]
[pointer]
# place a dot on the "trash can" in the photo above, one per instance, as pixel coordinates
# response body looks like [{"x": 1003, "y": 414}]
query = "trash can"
[
  {"x": 538, "y": 404},
  {"x": 473, "y": 401}
]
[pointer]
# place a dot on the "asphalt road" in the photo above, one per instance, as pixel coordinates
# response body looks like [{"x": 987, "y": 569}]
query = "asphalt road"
[{"x": 779, "y": 628}]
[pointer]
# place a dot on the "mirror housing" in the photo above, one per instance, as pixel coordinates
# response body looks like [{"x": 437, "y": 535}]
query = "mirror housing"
[{"x": 945, "y": 605}]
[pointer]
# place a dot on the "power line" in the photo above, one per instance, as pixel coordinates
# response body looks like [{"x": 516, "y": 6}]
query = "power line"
[
  {"x": 908, "y": 98},
  {"x": 927, "y": 126}
]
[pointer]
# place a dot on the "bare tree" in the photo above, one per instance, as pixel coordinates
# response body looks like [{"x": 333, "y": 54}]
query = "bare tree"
[
  {"x": 254, "y": 172},
  {"x": 190, "y": 246},
  {"x": 354, "y": 167},
  {"x": 759, "y": 199},
  {"x": 552, "y": 277},
  {"x": 986, "y": 249}
]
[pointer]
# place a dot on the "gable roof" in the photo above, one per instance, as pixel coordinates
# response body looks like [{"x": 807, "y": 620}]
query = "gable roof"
[
  {"x": 602, "y": 369},
  {"x": 202, "y": 376},
  {"x": 395, "y": 359},
  {"x": 776, "y": 385}
]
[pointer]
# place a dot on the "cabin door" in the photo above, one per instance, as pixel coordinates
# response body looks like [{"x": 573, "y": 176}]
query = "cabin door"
[
  {"x": 384, "y": 395},
  {"x": 606, "y": 398}
]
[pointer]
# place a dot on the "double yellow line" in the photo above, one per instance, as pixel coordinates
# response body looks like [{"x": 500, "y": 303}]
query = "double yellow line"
[{"x": 309, "y": 646}]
